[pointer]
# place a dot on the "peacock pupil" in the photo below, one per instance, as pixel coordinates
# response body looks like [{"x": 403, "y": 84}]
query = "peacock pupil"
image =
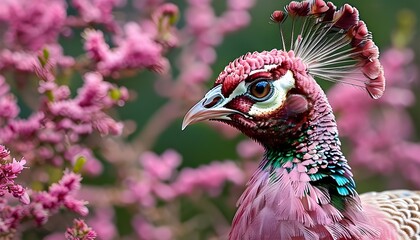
[{"x": 260, "y": 89}]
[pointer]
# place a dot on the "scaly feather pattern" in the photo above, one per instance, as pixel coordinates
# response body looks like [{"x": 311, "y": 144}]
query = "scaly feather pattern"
[
  {"x": 402, "y": 210},
  {"x": 304, "y": 187}
]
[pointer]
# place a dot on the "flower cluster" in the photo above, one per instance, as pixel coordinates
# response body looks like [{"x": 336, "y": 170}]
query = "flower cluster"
[
  {"x": 30, "y": 27},
  {"x": 9, "y": 172},
  {"x": 58, "y": 107},
  {"x": 80, "y": 231},
  {"x": 32, "y": 204},
  {"x": 160, "y": 180},
  {"x": 157, "y": 179},
  {"x": 96, "y": 12},
  {"x": 136, "y": 49},
  {"x": 157, "y": 170},
  {"x": 53, "y": 133},
  {"x": 61, "y": 194}
]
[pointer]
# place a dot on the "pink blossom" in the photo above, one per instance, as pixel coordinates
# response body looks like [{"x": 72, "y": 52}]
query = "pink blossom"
[
  {"x": 57, "y": 93},
  {"x": 97, "y": 11},
  {"x": 207, "y": 31},
  {"x": 234, "y": 20},
  {"x": 18, "y": 60},
  {"x": 4, "y": 152},
  {"x": 86, "y": 109},
  {"x": 136, "y": 49},
  {"x": 39, "y": 213},
  {"x": 249, "y": 149},
  {"x": 139, "y": 191},
  {"x": 240, "y": 4},
  {"x": 160, "y": 180},
  {"x": 224, "y": 129},
  {"x": 147, "y": 231},
  {"x": 92, "y": 165},
  {"x": 196, "y": 73},
  {"x": 61, "y": 194},
  {"x": 11, "y": 214},
  {"x": 157, "y": 171},
  {"x": 76, "y": 206},
  {"x": 65, "y": 118},
  {"x": 200, "y": 17},
  {"x": 8, "y": 104},
  {"x": 9, "y": 171},
  {"x": 103, "y": 223},
  {"x": 95, "y": 45},
  {"x": 209, "y": 178},
  {"x": 80, "y": 231},
  {"x": 165, "y": 18},
  {"x": 30, "y": 26},
  {"x": 27, "y": 61},
  {"x": 160, "y": 167}
]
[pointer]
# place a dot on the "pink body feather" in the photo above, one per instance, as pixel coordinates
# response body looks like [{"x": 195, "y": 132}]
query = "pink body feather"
[{"x": 268, "y": 212}]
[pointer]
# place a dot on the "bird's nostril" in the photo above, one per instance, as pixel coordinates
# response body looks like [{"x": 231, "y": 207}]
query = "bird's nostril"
[{"x": 211, "y": 102}]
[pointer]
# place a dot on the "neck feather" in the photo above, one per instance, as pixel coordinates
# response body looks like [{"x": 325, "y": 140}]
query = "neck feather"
[{"x": 314, "y": 155}]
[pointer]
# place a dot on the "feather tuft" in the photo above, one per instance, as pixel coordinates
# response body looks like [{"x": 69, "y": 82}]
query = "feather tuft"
[
  {"x": 278, "y": 16},
  {"x": 298, "y": 8},
  {"x": 333, "y": 43},
  {"x": 318, "y": 7}
]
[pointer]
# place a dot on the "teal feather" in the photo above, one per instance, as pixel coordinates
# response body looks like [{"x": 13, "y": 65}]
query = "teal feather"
[
  {"x": 341, "y": 180},
  {"x": 343, "y": 191},
  {"x": 317, "y": 176}
]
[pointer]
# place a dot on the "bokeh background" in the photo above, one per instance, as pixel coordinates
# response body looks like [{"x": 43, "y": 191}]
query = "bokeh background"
[{"x": 150, "y": 180}]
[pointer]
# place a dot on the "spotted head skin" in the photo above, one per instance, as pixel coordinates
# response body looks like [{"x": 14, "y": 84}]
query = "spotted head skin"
[{"x": 304, "y": 187}]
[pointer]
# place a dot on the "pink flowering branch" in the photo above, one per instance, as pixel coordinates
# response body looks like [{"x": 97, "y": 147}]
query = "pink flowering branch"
[
  {"x": 43, "y": 204},
  {"x": 9, "y": 171},
  {"x": 57, "y": 124},
  {"x": 59, "y": 195}
]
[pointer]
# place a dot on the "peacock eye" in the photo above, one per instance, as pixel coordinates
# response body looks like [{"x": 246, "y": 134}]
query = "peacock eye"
[{"x": 260, "y": 90}]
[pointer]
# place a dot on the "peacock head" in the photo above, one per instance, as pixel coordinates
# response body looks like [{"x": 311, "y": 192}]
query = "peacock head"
[
  {"x": 263, "y": 94},
  {"x": 270, "y": 95}
]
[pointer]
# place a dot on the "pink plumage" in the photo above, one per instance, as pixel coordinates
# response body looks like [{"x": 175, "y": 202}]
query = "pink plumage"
[{"x": 304, "y": 187}]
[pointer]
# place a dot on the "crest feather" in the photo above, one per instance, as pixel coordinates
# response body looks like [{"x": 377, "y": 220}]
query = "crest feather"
[{"x": 333, "y": 43}]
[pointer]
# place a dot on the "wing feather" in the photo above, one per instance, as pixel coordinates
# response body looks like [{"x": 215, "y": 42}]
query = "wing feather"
[{"x": 401, "y": 207}]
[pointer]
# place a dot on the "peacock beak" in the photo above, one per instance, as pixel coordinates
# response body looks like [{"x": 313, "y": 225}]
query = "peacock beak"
[{"x": 211, "y": 107}]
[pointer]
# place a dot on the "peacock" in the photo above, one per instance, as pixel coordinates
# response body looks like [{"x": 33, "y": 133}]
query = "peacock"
[{"x": 303, "y": 188}]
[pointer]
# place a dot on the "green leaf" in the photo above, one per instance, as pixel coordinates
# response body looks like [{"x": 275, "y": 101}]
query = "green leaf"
[
  {"x": 115, "y": 94},
  {"x": 78, "y": 165}
]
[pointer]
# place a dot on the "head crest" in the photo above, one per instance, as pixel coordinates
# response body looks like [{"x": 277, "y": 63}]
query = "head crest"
[{"x": 333, "y": 43}]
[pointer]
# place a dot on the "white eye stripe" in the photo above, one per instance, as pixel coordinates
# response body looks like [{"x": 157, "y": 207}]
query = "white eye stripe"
[
  {"x": 281, "y": 87},
  {"x": 266, "y": 68},
  {"x": 242, "y": 87}
]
